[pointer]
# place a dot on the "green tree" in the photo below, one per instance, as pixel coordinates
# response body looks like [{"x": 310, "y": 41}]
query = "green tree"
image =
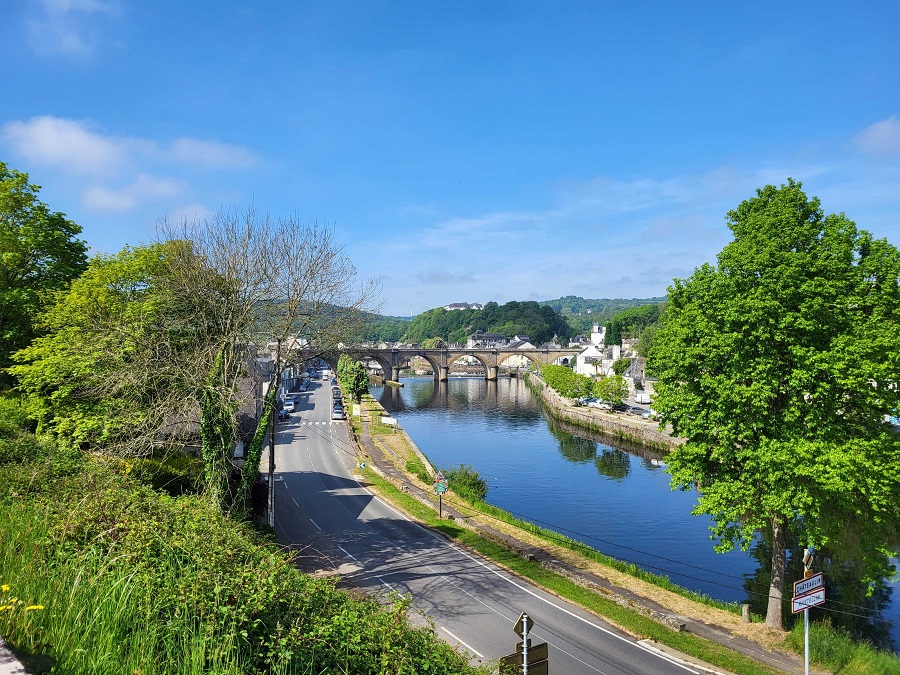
[
  {"x": 39, "y": 253},
  {"x": 353, "y": 376},
  {"x": 613, "y": 389},
  {"x": 778, "y": 366}
]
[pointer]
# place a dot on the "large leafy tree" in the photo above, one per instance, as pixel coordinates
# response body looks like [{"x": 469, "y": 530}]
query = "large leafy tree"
[
  {"x": 778, "y": 365},
  {"x": 39, "y": 253}
]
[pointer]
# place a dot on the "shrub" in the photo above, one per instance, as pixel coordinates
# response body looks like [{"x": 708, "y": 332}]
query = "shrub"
[{"x": 467, "y": 483}]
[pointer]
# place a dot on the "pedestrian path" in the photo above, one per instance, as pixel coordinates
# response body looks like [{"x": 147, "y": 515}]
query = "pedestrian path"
[{"x": 9, "y": 664}]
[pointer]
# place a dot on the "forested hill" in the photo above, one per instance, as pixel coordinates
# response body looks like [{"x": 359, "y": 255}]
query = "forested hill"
[
  {"x": 582, "y": 313},
  {"x": 540, "y": 323}
]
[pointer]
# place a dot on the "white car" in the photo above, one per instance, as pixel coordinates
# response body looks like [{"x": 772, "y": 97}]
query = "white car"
[{"x": 289, "y": 406}]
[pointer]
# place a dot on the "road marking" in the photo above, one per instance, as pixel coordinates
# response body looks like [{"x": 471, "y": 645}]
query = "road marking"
[
  {"x": 520, "y": 587},
  {"x": 345, "y": 551},
  {"x": 474, "y": 651},
  {"x": 385, "y": 583},
  {"x": 316, "y": 524},
  {"x": 295, "y": 502}
]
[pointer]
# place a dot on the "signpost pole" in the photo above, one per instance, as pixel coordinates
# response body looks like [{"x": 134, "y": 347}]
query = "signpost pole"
[
  {"x": 806, "y": 641},
  {"x": 807, "y": 567},
  {"x": 524, "y": 644},
  {"x": 440, "y": 505}
]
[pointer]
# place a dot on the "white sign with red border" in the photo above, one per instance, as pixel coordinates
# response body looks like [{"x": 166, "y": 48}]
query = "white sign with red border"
[
  {"x": 802, "y": 602},
  {"x": 809, "y": 584}
]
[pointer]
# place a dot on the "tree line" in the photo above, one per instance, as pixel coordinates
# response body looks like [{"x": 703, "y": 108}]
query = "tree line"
[{"x": 540, "y": 323}]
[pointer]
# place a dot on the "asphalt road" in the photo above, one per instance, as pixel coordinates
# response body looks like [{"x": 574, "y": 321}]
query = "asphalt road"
[{"x": 326, "y": 515}]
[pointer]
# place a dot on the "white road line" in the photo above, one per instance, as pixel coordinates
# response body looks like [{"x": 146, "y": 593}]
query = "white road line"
[
  {"x": 501, "y": 576},
  {"x": 316, "y": 524},
  {"x": 475, "y": 652},
  {"x": 295, "y": 502},
  {"x": 526, "y": 590},
  {"x": 385, "y": 583}
]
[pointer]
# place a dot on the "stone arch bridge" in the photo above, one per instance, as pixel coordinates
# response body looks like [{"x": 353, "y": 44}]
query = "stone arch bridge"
[{"x": 393, "y": 360}]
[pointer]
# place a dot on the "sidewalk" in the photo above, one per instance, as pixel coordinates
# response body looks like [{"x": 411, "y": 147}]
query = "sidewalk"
[
  {"x": 9, "y": 664},
  {"x": 788, "y": 663}
]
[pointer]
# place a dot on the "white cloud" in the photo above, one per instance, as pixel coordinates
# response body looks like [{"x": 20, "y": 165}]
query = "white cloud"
[
  {"x": 881, "y": 139},
  {"x": 100, "y": 162},
  {"x": 69, "y": 27},
  {"x": 68, "y": 144},
  {"x": 143, "y": 188}
]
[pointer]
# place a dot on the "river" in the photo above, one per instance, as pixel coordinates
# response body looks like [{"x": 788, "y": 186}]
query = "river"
[{"x": 614, "y": 498}]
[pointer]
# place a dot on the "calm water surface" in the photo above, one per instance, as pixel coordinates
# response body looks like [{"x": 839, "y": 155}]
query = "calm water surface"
[{"x": 588, "y": 488}]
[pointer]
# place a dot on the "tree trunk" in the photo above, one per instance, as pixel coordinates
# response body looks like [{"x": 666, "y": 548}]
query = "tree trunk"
[{"x": 776, "y": 587}]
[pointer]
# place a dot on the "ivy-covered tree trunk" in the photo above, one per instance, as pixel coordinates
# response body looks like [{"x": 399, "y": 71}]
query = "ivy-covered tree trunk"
[
  {"x": 250, "y": 470},
  {"x": 776, "y": 585},
  {"x": 216, "y": 437}
]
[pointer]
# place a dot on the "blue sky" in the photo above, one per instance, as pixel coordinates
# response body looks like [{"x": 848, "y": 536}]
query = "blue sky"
[{"x": 463, "y": 151}]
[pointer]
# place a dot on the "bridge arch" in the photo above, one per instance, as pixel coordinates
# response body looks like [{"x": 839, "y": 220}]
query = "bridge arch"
[{"x": 453, "y": 358}]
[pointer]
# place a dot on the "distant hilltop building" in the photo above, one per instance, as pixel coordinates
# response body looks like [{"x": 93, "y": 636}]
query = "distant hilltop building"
[{"x": 463, "y": 305}]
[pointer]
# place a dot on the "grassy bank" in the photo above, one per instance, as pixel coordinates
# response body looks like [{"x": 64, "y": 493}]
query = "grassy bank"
[
  {"x": 633, "y": 622},
  {"x": 101, "y": 573}
]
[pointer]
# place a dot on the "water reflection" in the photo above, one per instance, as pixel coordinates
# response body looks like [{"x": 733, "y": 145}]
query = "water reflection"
[{"x": 850, "y": 603}]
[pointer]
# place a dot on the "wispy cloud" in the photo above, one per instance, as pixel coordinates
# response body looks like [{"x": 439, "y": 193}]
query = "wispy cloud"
[
  {"x": 611, "y": 237},
  {"x": 69, "y": 27},
  {"x": 143, "y": 188},
  {"x": 881, "y": 139},
  {"x": 117, "y": 172}
]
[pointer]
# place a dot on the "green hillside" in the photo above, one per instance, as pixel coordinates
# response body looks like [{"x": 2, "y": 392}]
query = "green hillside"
[
  {"x": 582, "y": 313},
  {"x": 539, "y": 323}
]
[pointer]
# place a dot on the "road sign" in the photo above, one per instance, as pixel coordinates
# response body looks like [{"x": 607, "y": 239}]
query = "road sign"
[
  {"x": 809, "y": 555},
  {"x": 440, "y": 475},
  {"x": 512, "y": 663},
  {"x": 440, "y": 486},
  {"x": 523, "y": 625},
  {"x": 809, "y": 584},
  {"x": 802, "y": 602},
  {"x": 535, "y": 653}
]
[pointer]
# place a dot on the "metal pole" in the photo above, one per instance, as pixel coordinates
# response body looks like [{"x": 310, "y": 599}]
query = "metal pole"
[
  {"x": 273, "y": 414},
  {"x": 524, "y": 644},
  {"x": 806, "y": 641},
  {"x": 440, "y": 505}
]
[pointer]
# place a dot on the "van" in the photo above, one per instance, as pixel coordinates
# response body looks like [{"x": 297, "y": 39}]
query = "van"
[{"x": 642, "y": 397}]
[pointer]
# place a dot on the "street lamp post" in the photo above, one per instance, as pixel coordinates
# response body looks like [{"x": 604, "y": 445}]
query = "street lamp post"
[{"x": 273, "y": 414}]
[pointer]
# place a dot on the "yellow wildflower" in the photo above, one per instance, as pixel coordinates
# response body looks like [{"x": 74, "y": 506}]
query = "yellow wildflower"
[
  {"x": 5, "y": 588},
  {"x": 32, "y": 607}
]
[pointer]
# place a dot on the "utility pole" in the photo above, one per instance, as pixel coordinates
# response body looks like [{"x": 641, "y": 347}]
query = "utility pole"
[{"x": 273, "y": 414}]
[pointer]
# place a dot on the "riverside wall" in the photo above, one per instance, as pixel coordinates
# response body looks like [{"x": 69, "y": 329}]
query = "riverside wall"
[{"x": 631, "y": 430}]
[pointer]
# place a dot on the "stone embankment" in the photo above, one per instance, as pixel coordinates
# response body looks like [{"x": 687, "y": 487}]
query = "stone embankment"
[{"x": 627, "y": 428}]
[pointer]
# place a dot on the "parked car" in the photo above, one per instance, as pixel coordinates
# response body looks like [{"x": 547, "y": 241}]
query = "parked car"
[
  {"x": 289, "y": 406},
  {"x": 338, "y": 414},
  {"x": 283, "y": 415},
  {"x": 602, "y": 405}
]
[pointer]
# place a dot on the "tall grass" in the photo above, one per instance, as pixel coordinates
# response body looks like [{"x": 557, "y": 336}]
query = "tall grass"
[
  {"x": 136, "y": 581},
  {"x": 833, "y": 648}
]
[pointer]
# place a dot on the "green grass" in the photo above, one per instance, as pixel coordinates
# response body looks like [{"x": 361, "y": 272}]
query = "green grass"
[
  {"x": 629, "y": 620},
  {"x": 835, "y": 649}
]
